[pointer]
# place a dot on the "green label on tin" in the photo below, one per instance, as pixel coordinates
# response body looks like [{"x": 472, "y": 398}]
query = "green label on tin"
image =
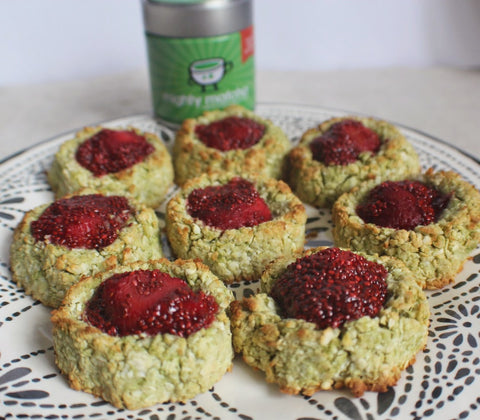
[{"x": 192, "y": 75}]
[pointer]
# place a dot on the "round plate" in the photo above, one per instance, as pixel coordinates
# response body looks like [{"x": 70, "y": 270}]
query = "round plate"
[{"x": 443, "y": 382}]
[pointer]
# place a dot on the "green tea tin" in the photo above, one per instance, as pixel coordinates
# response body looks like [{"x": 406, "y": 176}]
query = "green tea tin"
[{"x": 200, "y": 54}]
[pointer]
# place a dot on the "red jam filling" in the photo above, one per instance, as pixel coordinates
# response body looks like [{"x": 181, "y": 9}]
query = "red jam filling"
[
  {"x": 331, "y": 287},
  {"x": 343, "y": 142},
  {"x": 110, "y": 151},
  {"x": 149, "y": 302},
  {"x": 84, "y": 221},
  {"x": 403, "y": 205},
  {"x": 230, "y": 133},
  {"x": 231, "y": 206}
]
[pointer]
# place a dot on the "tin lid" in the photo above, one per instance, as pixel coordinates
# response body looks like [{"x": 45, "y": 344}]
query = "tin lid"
[{"x": 196, "y": 18}]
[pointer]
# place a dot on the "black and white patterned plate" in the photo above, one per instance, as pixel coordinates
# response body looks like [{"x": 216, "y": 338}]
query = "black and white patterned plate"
[{"x": 443, "y": 383}]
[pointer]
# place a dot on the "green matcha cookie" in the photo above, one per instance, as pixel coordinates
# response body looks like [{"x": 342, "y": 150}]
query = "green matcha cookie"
[
  {"x": 320, "y": 184},
  {"x": 265, "y": 154},
  {"x": 47, "y": 269},
  {"x": 146, "y": 181},
  {"x": 140, "y": 370},
  {"x": 362, "y": 354},
  {"x": 435, "y": 252},
  {"x": 236, "y": 254}
]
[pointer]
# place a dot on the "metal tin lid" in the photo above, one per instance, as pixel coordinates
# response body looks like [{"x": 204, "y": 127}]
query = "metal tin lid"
[{"x": 196, "y": 18}]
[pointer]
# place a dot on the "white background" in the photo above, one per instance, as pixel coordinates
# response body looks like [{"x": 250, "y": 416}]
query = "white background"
[{"x": 57, "y": 40}]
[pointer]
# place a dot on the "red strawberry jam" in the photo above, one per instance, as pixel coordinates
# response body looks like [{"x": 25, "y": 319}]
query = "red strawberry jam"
[
  {"x": 84, "y": 221},
  {"x": 403, "y": 205},
  {"x": 110, "y": 151},
  {"x": 150, "y": 302},
  {"x": 230, "y": 206},
  {"x": 343, "y": 142},
  {"x": 331, "y": 287},
  {"x": 231, "y": 133}
]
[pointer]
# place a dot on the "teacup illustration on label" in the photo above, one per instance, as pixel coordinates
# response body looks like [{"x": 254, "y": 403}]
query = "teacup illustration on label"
[{"x": 209, "y": 72}]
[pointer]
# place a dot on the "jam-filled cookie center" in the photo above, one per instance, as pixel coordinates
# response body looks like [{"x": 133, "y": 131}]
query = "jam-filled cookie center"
[
  {"x": 343, "y": 142},
  {"x": 85, "y": 221},
  {"x": 231, "y": 206},
  {"x": 111, "y": 151},
  {"x": 150, "y": 302},
  {"x": 331, "y": 287},
  {"x": 403, "y": 205},
  {"x": 231, "y": 133}
]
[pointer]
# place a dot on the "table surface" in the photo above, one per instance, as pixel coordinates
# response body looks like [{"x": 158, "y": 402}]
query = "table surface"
[{"x": 442, "y": 102}]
